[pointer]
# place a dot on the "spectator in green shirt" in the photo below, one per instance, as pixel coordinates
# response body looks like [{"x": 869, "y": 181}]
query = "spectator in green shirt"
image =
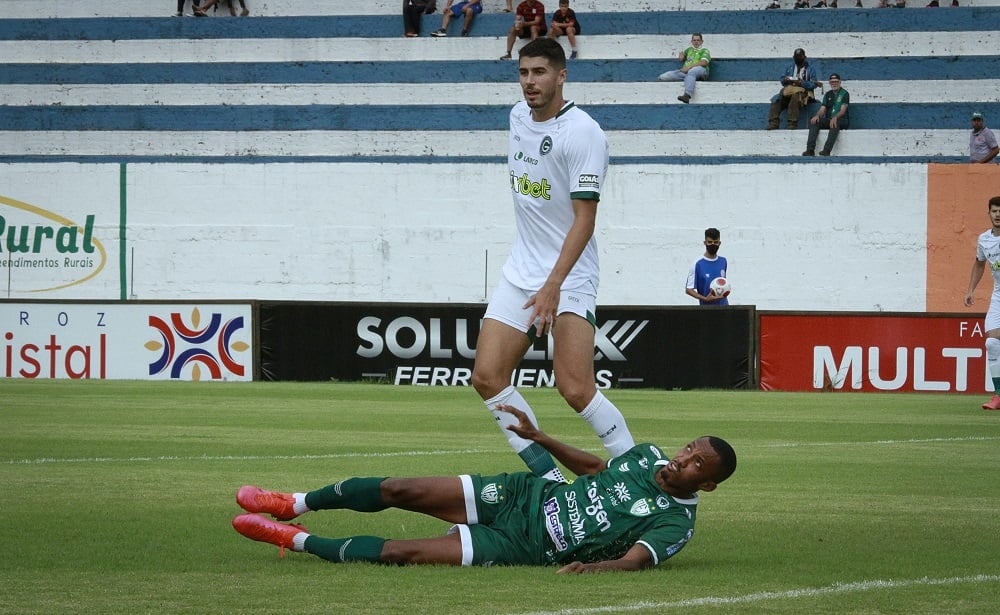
[{"x": 694, "y": 67}]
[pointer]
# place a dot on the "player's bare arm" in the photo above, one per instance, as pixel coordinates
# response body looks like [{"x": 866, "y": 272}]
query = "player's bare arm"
[
  {"x": 978, "y": 267},
  {"x": 577, "y": 461},
  {"x": 636, "y": 558},
  {"x": 546, "y": 301}
]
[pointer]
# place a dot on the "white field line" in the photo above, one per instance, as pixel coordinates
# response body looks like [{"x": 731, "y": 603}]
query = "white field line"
[
  {"x": 808, "y": 592},
  {"x": 53, "y": 460}
]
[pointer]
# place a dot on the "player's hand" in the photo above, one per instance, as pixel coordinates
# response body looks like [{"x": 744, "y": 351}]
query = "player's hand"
[
  {"x": 524, "y": 428},
  {"x": 575, "y": 568},
  {"x": 544, "y": 305},
  {"x": 969, "y": 300}
]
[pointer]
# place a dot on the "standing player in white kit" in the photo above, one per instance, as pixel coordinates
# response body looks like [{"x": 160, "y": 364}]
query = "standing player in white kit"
[{"x": 558, "y": 157}]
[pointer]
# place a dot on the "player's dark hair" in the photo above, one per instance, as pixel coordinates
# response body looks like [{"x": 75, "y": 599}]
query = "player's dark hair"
[
  {"x": 994, "y": 201},
  {"x": 712, "y": 233},
  {"x": 548, "y": 48},
  {"x": 727, "y": 456}
]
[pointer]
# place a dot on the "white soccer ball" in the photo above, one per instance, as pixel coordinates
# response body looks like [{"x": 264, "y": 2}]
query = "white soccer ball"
[{"x": 720, "y": 287}]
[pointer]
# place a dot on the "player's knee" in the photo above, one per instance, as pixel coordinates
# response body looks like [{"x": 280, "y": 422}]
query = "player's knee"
[
  {"x": 396, "y": 491},
  {"x": 576, "y": 394},
  {"x": 486, "y": 384},
  {"x": 992, "y": 349},
  {"x": 398, "y": 552}
]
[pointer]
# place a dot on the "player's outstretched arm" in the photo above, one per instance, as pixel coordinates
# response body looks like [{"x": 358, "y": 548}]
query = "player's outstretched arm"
[
  {"x": 636, "y": 558},
  {"x": 577, "y": 461}
]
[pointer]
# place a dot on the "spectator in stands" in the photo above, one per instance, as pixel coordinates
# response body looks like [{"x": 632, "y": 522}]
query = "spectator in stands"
[
  {"x": 180, "y": 7},
  {"x": 529, "y": 22},
  {"x": 982, "y": 143},
  {"x": 202, "y": 11},
  {"x": 694, "y": 67},
  {"x": 413, "y": 14},
  {"x": 797, "y": 85},
  {"x": 468, "y": 8},
  {"x": 832, "y": 114},
  {"x": 564, "y": 22},
  {"x": 706, "y": 269}
]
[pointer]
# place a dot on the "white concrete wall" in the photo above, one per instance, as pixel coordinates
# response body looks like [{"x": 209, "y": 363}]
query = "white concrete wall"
[
  {"x": 414, "y": 232},
  {"x": 90, "y": 8}
]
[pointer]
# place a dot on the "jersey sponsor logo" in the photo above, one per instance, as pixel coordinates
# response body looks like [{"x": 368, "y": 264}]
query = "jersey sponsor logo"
[
  {"x": 589, "y": 180},
  {"x": 525, "y": 158},
  {"x": 621, "y": 492},
  {"x": 641, "y": 508},
  {"x": 596, "y": 508},
  {"x": 662, "y": 502},
  {"x": 674, "y": 548},
  {"x": 490, "y": 494},
  {"x": 546, "y": 146},
  {"x": 575, "y": 518},
  {"x": 524, "y": 185},
  {"x": 552, "y": 524},
  {"x": 623, "y": 467}
]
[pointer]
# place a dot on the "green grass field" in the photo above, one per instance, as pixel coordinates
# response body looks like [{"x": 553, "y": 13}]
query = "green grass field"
[{"x": 118, "y": 496}]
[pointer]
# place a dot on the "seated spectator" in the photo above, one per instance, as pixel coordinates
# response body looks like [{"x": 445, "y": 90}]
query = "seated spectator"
[
  {"x": 529, "y": 22},
  {"x": 797, "y": 85},
  {"x": 469, "y": 8},
  {"x": 180, "y": 7},
  {"x": 202, "y": 11},
  {"x": 982, "y": 142},
  {"x": 833, "y": 115},
  {"x": 564, "y": 22},
  {"x": 694, "y": 67},
  {"x": 413, "y": 14}
]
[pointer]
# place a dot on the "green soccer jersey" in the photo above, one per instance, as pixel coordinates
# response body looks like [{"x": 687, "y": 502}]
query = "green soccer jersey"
[
  {"x": 692, "y": 56},
  {"x": 600, "y": 517}
]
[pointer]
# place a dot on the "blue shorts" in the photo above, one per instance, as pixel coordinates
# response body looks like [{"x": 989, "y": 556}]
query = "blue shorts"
[{"x": 456, "y": 9}]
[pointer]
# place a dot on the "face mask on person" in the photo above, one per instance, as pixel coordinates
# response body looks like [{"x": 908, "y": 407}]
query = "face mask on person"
[{"x": 712, "y": 249}]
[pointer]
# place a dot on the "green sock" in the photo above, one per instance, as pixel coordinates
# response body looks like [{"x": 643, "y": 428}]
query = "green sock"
[
  {"x": 360, "y": 494},
  {"x": 538, "y": 460},
  {"x": 353, "y": 549},
  {"x": 996, "y": 385}
]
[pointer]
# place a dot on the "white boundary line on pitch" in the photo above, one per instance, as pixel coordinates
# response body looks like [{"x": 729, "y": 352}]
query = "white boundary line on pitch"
[
  {"x": 44, "y": 460},
  {"x": 907, "y": 441},
  {"x": 48, "y": 460},
  {"x": 836, "y": 588}
]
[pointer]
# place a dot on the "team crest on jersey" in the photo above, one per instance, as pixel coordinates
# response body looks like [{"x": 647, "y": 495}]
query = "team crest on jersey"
[
  {"x": 641, "y": 508},
  {"x": 546, "y": 145},
  {"x": 490, "y": 494},
  {"x": 662, "y": 502}
]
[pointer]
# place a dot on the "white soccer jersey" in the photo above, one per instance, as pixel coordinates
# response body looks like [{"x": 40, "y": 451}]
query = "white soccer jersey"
[
  {"x": 988, "y": 249},
  {"x": 552, "y": 163}
]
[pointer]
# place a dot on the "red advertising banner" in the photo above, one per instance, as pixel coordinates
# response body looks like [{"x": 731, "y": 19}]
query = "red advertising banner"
[{"x": 872, "y": 352}]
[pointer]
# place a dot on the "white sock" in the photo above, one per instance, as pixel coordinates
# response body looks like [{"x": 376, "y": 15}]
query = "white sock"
[
  {"x": 299, "y": 541},
  {"x": 511, "y": 397},
  {"x": 299, "y": 506},
  {"x": 609, "y": 424}
]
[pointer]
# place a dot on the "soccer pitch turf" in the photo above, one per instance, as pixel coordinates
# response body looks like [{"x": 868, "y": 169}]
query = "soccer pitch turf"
[{"x": 118, "y": 498}]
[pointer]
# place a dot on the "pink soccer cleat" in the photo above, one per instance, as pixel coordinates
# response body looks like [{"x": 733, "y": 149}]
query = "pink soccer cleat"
[
  {"x": 257, "y": 500},
  {"x": 262, "y": 529},
  {"x": 993, "y": 403}
]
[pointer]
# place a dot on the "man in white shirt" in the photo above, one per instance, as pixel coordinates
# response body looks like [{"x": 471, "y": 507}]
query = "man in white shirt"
[{"x": 558, "y": 157}]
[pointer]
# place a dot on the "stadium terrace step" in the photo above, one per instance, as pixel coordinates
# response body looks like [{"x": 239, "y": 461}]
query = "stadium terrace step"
[{"x": 89, "y": 8}]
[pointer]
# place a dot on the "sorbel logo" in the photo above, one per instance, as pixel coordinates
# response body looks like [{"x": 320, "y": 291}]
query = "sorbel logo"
[{"x": 211, "y": 346}]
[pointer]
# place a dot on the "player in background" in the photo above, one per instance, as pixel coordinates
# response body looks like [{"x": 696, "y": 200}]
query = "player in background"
[
  {"x": 706, "y": 269},
  {"x": 558, "y": 157},
  {"x": 628, "y": 513},
  {"x": 988, "y": 251}
]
